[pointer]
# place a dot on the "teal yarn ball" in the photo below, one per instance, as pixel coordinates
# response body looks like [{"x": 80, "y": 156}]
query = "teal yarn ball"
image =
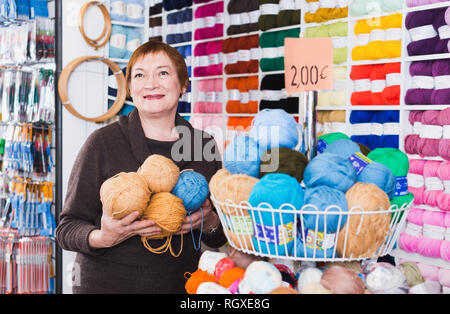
[
  {"x": 343, "y": 147},
  {"x": 274, "y": 230},
  {"x": 275, "y": 128},
  {"x": 324, "y": 199},
  {"x": 331, "y": 170},
  {"x": 380, "y": 175},
  {"x": 242, "y": 156},
  {"x": 192, "y": 188}
]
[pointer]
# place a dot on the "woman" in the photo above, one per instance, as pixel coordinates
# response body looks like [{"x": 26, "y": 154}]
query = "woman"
[{"x": 111, "y": 257}]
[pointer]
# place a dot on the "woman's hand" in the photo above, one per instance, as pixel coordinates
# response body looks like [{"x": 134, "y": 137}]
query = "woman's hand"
[
  {"x": 210, "y": 219},
  {"x": 115, "y": 231}
]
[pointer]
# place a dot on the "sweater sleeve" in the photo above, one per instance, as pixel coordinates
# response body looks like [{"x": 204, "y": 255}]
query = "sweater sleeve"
[{"x": 82, "y": 208}]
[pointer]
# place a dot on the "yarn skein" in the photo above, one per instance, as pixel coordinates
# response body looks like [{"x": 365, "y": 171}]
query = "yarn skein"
[{"x": 160, "y": 172}]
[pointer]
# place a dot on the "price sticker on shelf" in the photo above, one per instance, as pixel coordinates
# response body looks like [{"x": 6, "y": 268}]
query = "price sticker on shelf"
[{"x": 308, "y": 64}]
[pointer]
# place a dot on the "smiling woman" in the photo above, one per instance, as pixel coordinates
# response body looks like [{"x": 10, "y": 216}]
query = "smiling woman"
[{"x": 111, "y": 257}]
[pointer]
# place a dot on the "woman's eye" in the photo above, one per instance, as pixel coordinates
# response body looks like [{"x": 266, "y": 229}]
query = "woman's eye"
[
  {"x": 138, "y": 75},
  {"x": 164, "y": 73}
]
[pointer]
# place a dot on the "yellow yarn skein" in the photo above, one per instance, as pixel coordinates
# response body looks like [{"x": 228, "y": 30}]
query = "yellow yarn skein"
[{"x": 160, "y": 172}]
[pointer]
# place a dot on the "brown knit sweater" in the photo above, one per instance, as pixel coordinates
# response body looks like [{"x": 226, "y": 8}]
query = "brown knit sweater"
[{"x": 127, "y": 267}]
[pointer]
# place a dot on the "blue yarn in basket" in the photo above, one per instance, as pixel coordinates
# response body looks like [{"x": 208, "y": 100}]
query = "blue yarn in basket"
[
  {"x": 325, "y": 199},
  {"x": 343, "y": 147},
  {"x": 331, "y": 170},
  {"x": 380, "y": 175},
  {"x": 242, "y": 156},
  {"x": 275, "y": 189},
  {"x": 193, "y": 189},
  {"x": 309, "y": 253},
  {"x": 275, "y": 128}
]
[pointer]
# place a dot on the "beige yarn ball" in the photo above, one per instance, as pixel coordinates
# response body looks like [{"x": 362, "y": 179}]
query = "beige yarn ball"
[
  {"x": 315, "y": 288},
  {"x": 366, "y": 233},
  {"x": 123, "y": 194},
  {"x": 236, "y": 188},
  {"x": 216, "y": 179},
  {"x": 160, "y": 172}
]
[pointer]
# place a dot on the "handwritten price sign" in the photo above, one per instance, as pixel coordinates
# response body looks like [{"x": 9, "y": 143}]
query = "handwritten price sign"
[{"x": 308, "y": 64}]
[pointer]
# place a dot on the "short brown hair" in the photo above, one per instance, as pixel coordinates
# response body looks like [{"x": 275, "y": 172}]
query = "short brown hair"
[{"x": 154, "y": 46}]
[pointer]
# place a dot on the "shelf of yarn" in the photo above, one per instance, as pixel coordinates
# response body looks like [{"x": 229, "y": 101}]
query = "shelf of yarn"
[
  {"x": 399, "y": 253},
  {"x": 429, "y": 6},
  {"x": 246, "y": 231},
  {"x": 128, "y": 24}
]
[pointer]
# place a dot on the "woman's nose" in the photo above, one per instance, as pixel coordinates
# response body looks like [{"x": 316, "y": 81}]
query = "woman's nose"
[{"x": 151, "y": 82}]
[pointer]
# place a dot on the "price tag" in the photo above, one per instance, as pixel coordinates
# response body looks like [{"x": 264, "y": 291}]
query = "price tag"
[{"x": 308, "y": 64}]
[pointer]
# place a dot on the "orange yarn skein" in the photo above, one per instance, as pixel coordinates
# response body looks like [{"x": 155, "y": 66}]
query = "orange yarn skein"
[{"x": 196, "y": 279}]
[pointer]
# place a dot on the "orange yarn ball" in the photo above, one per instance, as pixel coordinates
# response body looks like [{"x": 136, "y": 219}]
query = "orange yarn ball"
[
  {"x": 230, "y": 276},
  {"x": 123, "y": 194},
  {"x": 196, "y": 279},
  {"x": 216, "y": 179},
  {"x": 160, "y": 172}
]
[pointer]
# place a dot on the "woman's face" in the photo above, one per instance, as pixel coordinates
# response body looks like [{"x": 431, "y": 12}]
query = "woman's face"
[{"x": 154, "y": 85}]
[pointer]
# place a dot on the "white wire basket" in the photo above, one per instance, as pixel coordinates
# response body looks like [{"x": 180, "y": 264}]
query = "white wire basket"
[{"x": 359, "y": 234}]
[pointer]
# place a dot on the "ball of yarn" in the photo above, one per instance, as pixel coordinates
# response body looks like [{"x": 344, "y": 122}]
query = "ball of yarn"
[
  {"x": 343, "y": 147},
  {"x": 324, "y": 140},
  {"x": 211, "y": 288},
  {"x": 231, "y": 275},
  {"x": 341, "y": 280},
  {"x": 284, "y": 160},
  {"x": 160, "y": 172},
  {"x": 384, "y": 278},
  {"x": 235, "y": 188},
  {"x": 242, "y": 156},
  {"x": 274, "y": 190},
  {"x": 307, "y": 276},
  {"x": 325, "y": 199},
  {"x": 123, "y": 194},
  {"x": 331, "y": 170},
  {"x": 222, "y": 266},
  {"x": 196, "y": 279},
  {"x": 209, "y": 259},
  {"x": 216, "y": 179},
  {"x": 192, "y": 188},
  {"x": 363, "y": 234},
  {"x": 275, "y": 128},
  {"x": 380, "y": 175},
  {"x": 260, "y": 277},
  {"x": 315, "y": 288},
  {"x": 412, "y": 274}
]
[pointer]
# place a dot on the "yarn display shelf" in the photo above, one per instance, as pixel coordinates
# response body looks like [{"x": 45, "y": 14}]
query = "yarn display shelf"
[
  {"x": 439, "y": 262},
  {"x": 128, "y": 24},
  {"x": 326, "y": 108},
  {"x": 424, "y": 107},
  {"x": 379, "y": 61},
  {"x": 438, "y": 158},
  {"x": 427, "y": 6},
  {"x": 435, "y": 56},
  {"x": 381, "y": 108},
  {"x": 242, "y": 238}
]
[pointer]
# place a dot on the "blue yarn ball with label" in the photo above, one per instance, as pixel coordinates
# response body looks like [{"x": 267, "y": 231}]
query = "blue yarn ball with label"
[
  {"x": 273, "y": 230},
  {"x": 193, "y": 189},
  {"x": 343, "y": 147},
  {"x": 307, "y": 250},
  {"x": 242, "y": 156},
  {"x": 331, "y": 170},
  {"x": 380, "y": 175}
]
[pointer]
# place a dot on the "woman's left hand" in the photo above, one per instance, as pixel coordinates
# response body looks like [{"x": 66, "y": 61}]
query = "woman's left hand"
[{"x": 210, "y": 219}]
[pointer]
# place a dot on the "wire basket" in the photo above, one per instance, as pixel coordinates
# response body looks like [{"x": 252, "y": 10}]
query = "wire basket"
[{"x": 283, "y": 232}]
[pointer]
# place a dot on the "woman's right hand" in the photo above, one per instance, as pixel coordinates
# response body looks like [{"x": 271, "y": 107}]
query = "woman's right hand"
[{"x": 115, "y": 231}]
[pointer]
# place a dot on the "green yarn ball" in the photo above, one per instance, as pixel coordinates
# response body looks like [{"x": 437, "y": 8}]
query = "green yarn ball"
[{"x": 283, "y": 160}]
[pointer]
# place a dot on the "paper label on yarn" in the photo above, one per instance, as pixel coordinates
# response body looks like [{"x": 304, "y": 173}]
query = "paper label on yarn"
[
  {"x": 271, "y": 52},
  {"x": 242, "y": 225},
  {"x": 219, "y": 18},
  {"x": 118, "y": 8},
  {"x": 271, "y": 95},
  {"x": 156, "y": 31},
  {"x": 171, "y": 29},
  {"x": 422, "y": 32},
  {"x": 340, "y": 42},
  {"x": 269, "y": 9},
  {"x": 245, "y": 18},
  {"x": 234, "y": 94},
  {"x": 180, "y": 28},
  {"x": 415, "y": 180},
  {"x": 444, "y": 32},
  {"x": 376, "y": 129},
  {"x": 210, "y": 21},
  {"x": 187, "y": 27},
  {"x": 244, "y": 55},
  {"x": 254, "y": 95},
  {"x": 201, "y": 96},
  {"x": 359, "y": 162},
  {"x": 135, "y": 11},
  {"x": 413, "y": 230},
  {"x": 391, "y": 128},
  {"x": 320, "y": 240},
  {"x": 362, "y": 85},
  {"x": 442, "y": 82},
  {"x": 232, "y": 57},
  {"x": 278, "y": 235},
  {"x": 188, "y": 61},
  {"x": 211, "y": 96},
  {"x": 401, "y": 186},
  {"x": 417, "y": 128},
  {"x": 245, "y": 97},
  {"x": 286, "y": 5},
  {"x": 446, "y": 184},
  {"x": 434, "y": 232},
  {"x": 132, "y": 45},
  {"x": 434, "y": 184},
  {"x": 203, "y": 61},
  {"x": 376, "y": 35},
  {"x": 431, "y": 131},
  {"x": 393, "y": 34},
  {"x": 422, "y": 81},
  {"x": 377, "y": 86},
  {"x": 200, "y": 22},
  {"x": 393, "y": 79},
  {"x": 321, "y": 146},
  {"x": 312, "y": 7},
  {"x": 214, "y": 58},
  {"x": 362, "y": 39},
  {"x": 255, "y": 53},
  {"x": 235, "y": 19},
  {"x": 361, "y": 128},
  {"x": 446, "y": 132},
  {"x": 447, "y": 235},
  {"x": 118, "y": 41},
  {"x": 254, "y": 16}
]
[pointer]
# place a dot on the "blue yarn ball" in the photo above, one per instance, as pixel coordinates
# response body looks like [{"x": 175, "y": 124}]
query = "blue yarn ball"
[
  {"x": 331, "y": 170},
  {"x": 117, "y": 44},
  {"x": 275, "y": 189},
  {"x": 242, "y": 156},
  {"x": 343, "y": 147},
  {"x": 192, "y": 188},
  {"x": 275, "y": 128},
  {"x": 325, "y": 199},
  {"x": 380, "y": 175},
  {"x": 309, "y": 253}
]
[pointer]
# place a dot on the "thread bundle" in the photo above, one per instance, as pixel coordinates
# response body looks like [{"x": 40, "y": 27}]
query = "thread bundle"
[
  {"x": 275, "y": 96},
  {"x": 275, "y": 13},
  {"x": 209, "y": 96},
  {"x": 337, "y": 95},
  {"x": 155, "y": 27},
  {"x": 322, "y": 11},
  {"x": 131, "y": 11},
  {"x": 209, "y": 21},
  {"x": 170, "y": 5},
  {"x": 429, "y": 83},
  {"x": 365, "y": 7},
  {"x": 155, "y": 7},
  {"x": 243, "y": 94},
  {"x": 272, "y": 49},
  {"x": 208, "y": 59},
  {"x": 376, "y": 84},
  {"x": 375, "y": 129},
  {"x": 243, "y": 16},
  {"x": 123, "y": 41},
  {"x": 179, "y": 26},
  {"x": 429, "y": 32},
  {"x": 241, "y": 54},
  {"x": 378, "y": 38},
  {"x": 330, "y": 122},
  {"x": 430, "y": 137}
]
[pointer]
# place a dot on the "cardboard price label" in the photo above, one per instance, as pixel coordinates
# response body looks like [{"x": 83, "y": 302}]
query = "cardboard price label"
[{"x": 308, "y": 64}]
